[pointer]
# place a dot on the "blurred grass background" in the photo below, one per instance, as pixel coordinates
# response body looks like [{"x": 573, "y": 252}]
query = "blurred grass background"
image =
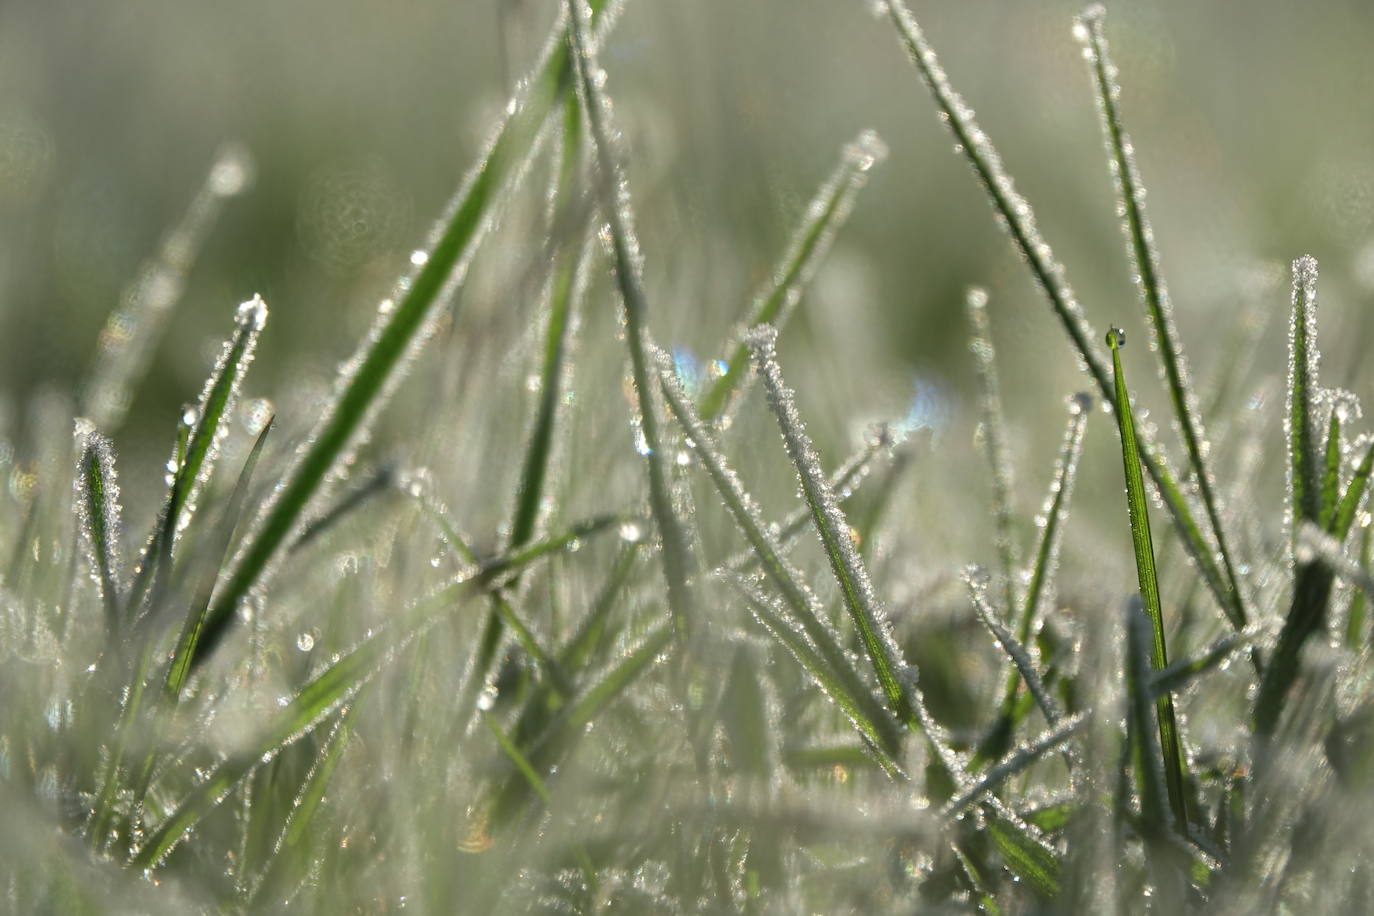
[{"x": 362, "y": 117}]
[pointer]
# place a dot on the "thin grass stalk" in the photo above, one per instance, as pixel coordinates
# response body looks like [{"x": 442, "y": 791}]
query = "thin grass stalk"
[
  {"x": 1058, "y": 735},
  {"x": 1349, "y": 506},
  {"x": 99, "y": 512},
  {"x": 1137, "y": 503},
  {"x": 1016, "y": 651},
  {"x": 808, "y": 245},
  {"x": 614, "y": 197},
  {"x": 1019, "y": 220},
  {"x": 401, "y": 328},
  {"x": 1130, "y": 195}
]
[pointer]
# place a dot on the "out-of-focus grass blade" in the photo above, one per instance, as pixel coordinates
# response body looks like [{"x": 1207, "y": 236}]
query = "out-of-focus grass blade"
[
  {"x": 805, "y": 610},
  {"x": 1182, "y": 673},
  {"x": 1130, "y": 196},
  {"x": 132, "y": 333},
  {"x": 1050, "y": 741},
  {"x": 1150, "y": 776},
  {"x": 334, "y": 685},
  {"x": 1028, "y": 857},
  {"x": 98, "y": 507},
  {"x": 400, "y": 329},
  {"x": 1019, "y": 220},
  {"x": 1349, "y": 505},
  {"x": 378, "y": 482},
  {"x": 812, "y": 239},
  {"x": 859, "y": 598},
  {"x": 207, "y": 428},
  {"x": 1020, "y": 657},
  {"x": 1355, "y": 621},
  {"x": 614, "y": 197},
  {"x": 1137, "y": 502},
  {"x": 994, "y": 426},
  {"x": 999, "y": 738},
  {"x": 518, "y": 759}
]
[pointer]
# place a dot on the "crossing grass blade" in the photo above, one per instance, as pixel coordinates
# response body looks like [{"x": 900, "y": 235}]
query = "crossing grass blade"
[
  {"x": 1137, "y": 502},
  {"x": 808, "y": 246},
  {"x": 859, "y": 597},
  {"x": 1060, "y": 733},
  {"x": 613, "y": 195},
  {"x": 1181, "y": 673},
  {"x": 376, "y": 367},
  {"x": 1130, "y": 195},
  {"x": 1019, "y": 220},
  {"x": 1020, "y": 657},
  {"x": 339, "y": 681}
]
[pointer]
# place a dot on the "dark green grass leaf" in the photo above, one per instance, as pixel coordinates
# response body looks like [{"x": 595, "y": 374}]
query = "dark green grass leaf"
[{"x": 1137, "y": 502}]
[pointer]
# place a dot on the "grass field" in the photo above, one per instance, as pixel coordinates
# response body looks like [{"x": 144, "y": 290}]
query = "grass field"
[{"x": 620, "y": 570}]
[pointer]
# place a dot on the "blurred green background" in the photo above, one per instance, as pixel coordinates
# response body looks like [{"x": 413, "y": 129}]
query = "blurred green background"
[{"x": 1250, "y": 120}]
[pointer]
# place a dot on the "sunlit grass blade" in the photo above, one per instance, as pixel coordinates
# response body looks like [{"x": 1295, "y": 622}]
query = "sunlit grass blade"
[
  {"x": 1020, "y": 657},
  {"x": 804, "y": 607},
  {"x": 1312, "y": 581},
  {"x": 614, "y": 197},
  {"x": 1027, "y": 856},
  {"x": 1130, "y": 197},
  {"x": 335, "y": 685},
  {"x": 845, "y": 482},
  {"x": 1137, "y": 502},
  {"x": 808, "y": 245},
  {"x": 1349, "y": 504},
  {"x": 134, "y": 329},
  {"x": 1019, "y": 220},
  {"x": 859, "y": 597},
  {"x": 1052, "y": 740},
  {"x": 1181, "y": 673},
  {"x": 1056, "y": 507},
  {"x": 401, "y": 328},
  {"x": 1355, "y": 620},
  {"x": 994, "y": 428},
  {"x": 99, "y": 512},
  {"x": 208, "y": 425},
  {"x": 1151, "y": 777},
  {"x": 1316, "y": 547},
  {"x": 1331, "y": 471},
  {"x": 378, "y": 482}
]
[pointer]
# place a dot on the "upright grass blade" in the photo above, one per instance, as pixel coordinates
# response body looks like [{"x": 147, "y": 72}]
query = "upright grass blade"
[
  {"x": 1135, "y": 224},
  {"x": 859, "y": 597},
  {"x": 1349, "y": 505},
  {"x": 614, "y": 197},
  {"x": 1312, "y": 581},
  {"x": 207, "y": 428},
  {"x": 808, "y": 246},
  {"x": 1056, "y": 507},
  {"x": 1331, "y": 471},
  {"x": 994, "y": 427},
  {"x": 1152, "y": 779},
  {"x": 132, "y": 333},
  {"x": 99, "y": 512},
  {"x": 400, "y": 329},
  {"x": 1304, "y": 481},
  {"x": 836, "y": 672},
  {"x": 1137, "y": 503},
  {"x": 1355, "y": 621},
  {"x": 336, "y": 683},
  {"x": 1019, "y": 219}
]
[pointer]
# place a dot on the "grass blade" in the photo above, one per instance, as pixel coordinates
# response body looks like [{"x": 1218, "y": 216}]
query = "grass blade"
[
  {"x": 1019, "y": 220},
  {"x": 1135, "y": 224},
  {"x": 99, "y": 512},
  {"x": 1050, "y": 741},
  {"x": 1137, "y": 503},
  {"x": 1349, "y": 505},
  {"x": 859, "y": 598},
  {"x": 805, "y": 609},
  {"x": 808, "y": 246},
  {"x": 400, "y": 329},
  {"x": 994, "y": 426},
  {"x": 614, "y": 197},
  {"x": 1020, "y": 657},
  {"x": 133, "y": 331},
  {"x": 1355, "y": 621},
  {"x": 1331, "y": 471}
]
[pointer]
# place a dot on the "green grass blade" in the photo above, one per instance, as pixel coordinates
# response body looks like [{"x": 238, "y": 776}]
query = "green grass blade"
[
  {"x": 1304, "y": 486},
  {"x": 804, "y": 607},
  {"x": 859, "y": 597},
  {"x": 1020, "y": 657},
  {"x": 207, "y": 427},
  {"x": 1051, "y": 741},
  {"x": 994, "y": 427},
  {"x": 1331, "y": 472},
  {"x": 585, "y": 643},
  {"x": 1019, "y": 220},
  {"x": 332, "y": 687},
  {"x": 380, "y": 481},
  {"x": 1181, "y": 673},
  {"x": 134, "y": 329},
  {"x": 1349, "y": 505},
  {"x": 808, "y": 246},
  {"x": 1151, "y": 777},
  {"x": 518, "y": 759},
  {"x": 1355, "y": 621},
  {"x": 1137, "y": 502},
  {"x": 1056, "y": 507},
  {"x": 400, "y": 329},
  {"x": 1029, "y": 858},
  {"x": 99, "y": 512},
  {"x": 613, "y": 195},
  {"x": 1135, "y": 223},
  {"x": 562, "y": 295}
]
